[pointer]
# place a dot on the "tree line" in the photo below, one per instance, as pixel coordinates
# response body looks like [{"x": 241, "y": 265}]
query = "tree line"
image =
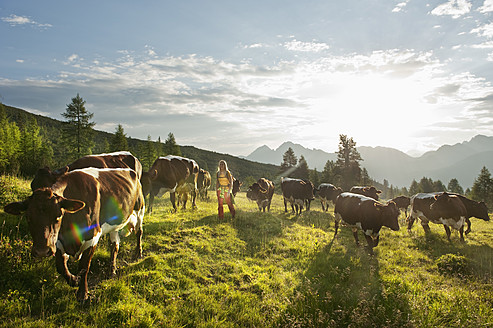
[
  {"x": 346, "y": 172},
  {"x": 25, "y": 146}
]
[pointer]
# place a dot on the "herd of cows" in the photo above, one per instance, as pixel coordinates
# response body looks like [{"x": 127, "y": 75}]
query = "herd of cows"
[{"x": 72, "y": 207}]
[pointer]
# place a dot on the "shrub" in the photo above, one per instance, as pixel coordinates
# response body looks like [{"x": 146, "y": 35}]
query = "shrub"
[{"x": 453, "y": 264}]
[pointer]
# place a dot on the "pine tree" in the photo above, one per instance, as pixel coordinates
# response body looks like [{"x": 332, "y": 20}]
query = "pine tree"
[
  {"x": 34, "y": 151},
  {"x": 9, "y": 144},
  {"x": 289, "y": 161},
  {"x": 414, "y": 188},
  {"x": 148, "y": 154},
  {"x": 78, "y": 132},
  {"x": 328, "y": 173},
  {"x": 454, "y": 186},
  {"x": 170, "y": 146},
  {"x": 159, "y": 147},
  {"x": 426, "y": 185},
  {"x": 315, "y": 177},
  {"x": 347, "y": 163},
  {"x": 482, "y": 188},
  {"x": 302, "y": 171},
  {"x": 119, "y": 140}
]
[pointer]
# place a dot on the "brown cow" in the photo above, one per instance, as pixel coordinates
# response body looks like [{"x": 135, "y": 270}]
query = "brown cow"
[
  {"x": 402, "y": 202},
  {"x": 298, "y": 192},
  {"x": 261, "y": 192},
  {"x": 327, "y": 192},
  {"x": 367, "y": 214},
  {"x": 68, "y": 218},
  {"x": 371, "y": 192},
  {"x": 203, "y": 183},
  {"x": 420, "y": 208},
  {"x": 170, "y": 173},
  {"x": 45, "y": 177},
  {"x": 450, "y": 211}
]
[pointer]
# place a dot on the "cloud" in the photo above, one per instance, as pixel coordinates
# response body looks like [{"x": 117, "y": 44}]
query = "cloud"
[
  {"x": 15, "y": 20},
  {"x": 454, "y": 8},
  {"x": 313, "y": 46},
  {"x": 310, "y": 100},
  {"x": 400, "y": 6},
  {"x": 485, "y": 31},
  {"x": 487, "y": 6}
]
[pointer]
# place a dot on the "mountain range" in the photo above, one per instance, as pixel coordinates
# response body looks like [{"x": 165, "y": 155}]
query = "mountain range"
[{"x": 462, "y": 161}]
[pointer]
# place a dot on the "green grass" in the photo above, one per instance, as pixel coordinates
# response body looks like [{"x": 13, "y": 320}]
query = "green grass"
[{"x": 257, "y": 270}]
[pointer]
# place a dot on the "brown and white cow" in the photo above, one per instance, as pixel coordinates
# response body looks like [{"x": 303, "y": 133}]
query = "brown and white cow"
[
  {"x": 421, "y": 208},
  {"x": 367, "y": 214},
  {"x": 171, "y": 173},
  {"x": 261, "y": 192},
  {"x": 327, "y": 192},
  {"x": 402, "y": 202},
  {"x": 297, "y": 192},
  {"x": 236, "y": 186},
  {"x": 45, "y": 177},
  {"x": 203, "y": 183},
  {"x": 371, "y": 192},
  {"x": 69, "y": 217},
  {"x": 450, "y": 211}
]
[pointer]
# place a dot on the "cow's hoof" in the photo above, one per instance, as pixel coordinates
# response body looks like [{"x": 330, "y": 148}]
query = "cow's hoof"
[{"x": 467, "y": 231}]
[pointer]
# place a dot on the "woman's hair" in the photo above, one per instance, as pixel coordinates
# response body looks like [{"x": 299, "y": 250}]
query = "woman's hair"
[{"x": 225, "y": 165}]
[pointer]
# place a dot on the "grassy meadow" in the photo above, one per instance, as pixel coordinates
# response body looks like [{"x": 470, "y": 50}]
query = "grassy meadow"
[{"x": 257, "y": 270}]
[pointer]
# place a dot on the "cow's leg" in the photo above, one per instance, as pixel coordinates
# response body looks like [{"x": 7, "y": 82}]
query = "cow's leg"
[
  {"x": 114, "y": 248},
  {"x": 285, "y": 206},
  {"x": 425, "y": 226},
  {"x": 375, "y": 241},
  {"x": 185, "y": 199},
  {"x": 194, "y": 197},
  {"x": 62, "y": 268},
  {"x": 336, "y": 225},
  {"x": 447, "y": 231},
  {"x": 410, "y": 221},
  {"x": 461, "y": 232},
  {"x": 355, "y": 234},
  {"x": 172, "y": 198},
  {"x": 84, "y": 264},
  {"x": 151, "y": 200},
  {"x": 370, "y": 243},
  {"x": 323, "y": 207},
  {"x": 468, "y": 230}
]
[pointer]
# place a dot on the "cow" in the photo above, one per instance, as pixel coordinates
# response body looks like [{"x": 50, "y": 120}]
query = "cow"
[
  {"x": 402, "y": 202},
  {"x": 327, "y": 192},
  {"x": 236, "y": 186},
  {"x": 420, "y": 208},
  {"x": 45, "y": 177},
  {"x": 367, "y": 214},
  {"x": 297, "y": 192},
  {"x": 170, "y": 173},
  {"x": 450, "y": 211},
  {"x": 371, "y": 192},
  {"x": 69, "y": 217},
  {"x": 261, "y": 192},
  {"x": 203, "y": 183}
]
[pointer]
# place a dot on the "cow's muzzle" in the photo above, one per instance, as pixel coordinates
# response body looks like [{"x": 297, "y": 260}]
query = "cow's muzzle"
[{"x": 42, "y": 252}]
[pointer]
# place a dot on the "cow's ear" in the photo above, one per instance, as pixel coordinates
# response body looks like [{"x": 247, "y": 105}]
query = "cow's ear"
[
  {"x": 379, "y": 191},
  {"x": 435, "y": 197},
  {"x": 153, "y": 174},
  {"x": 16, "y": 208},
  {"x": 72, "y": 205},
  {"x": 263, "y": 190}
]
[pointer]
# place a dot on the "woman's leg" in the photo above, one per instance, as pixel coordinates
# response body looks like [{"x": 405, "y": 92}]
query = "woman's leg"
[
  {"x": 229, "y": 201},
  {"x": 220, "y": 209}
]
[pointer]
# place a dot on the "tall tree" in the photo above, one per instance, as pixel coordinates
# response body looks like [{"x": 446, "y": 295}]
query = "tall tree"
[
  {"x": 159, "y": 147},
  {"x": 454, "y": 186},
  {"x": 302, "y": 171},
  {"x": 34, "y": 151},
  {"x": 482, "y": 188},
  {"x": 315, "y": 177},
  {"x": 328, "y": 173},
  {"x": 365, "y": 179},
  {"x": 170, "y": 146},
  {"x": 9, "y": 144},
  {"x": 119, "y": 140},
  {"x": 426, "y": 185},
  {"x": 414, "y": 188},
  {"x": 79, "y": 130},
  {"x": 148, "y": 154},
  {"x": 289, "y": 161},
  {"x": 347, "y": 163}
]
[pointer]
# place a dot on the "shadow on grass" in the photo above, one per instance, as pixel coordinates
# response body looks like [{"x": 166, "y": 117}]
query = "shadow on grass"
[{"x": 342, "y": 287}]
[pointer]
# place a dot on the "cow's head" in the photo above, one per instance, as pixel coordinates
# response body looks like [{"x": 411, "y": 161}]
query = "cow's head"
[
  {"x": 236, "y": 186},
  {"x": 46, "y": 178},
  {"x": 44, "y": 212},
  {"x": 389, "y": 214},
  {"x": 146, "y": 182},
  {"x": 255, "y": 191},
  {"x": 372, "y": 192},
  {"x": 441, "y": 201},
  {"x": 481, "y": 211}
]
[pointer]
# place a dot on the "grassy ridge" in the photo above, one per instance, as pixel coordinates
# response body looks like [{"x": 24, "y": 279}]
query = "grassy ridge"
[{"x": 258, "y": 270}]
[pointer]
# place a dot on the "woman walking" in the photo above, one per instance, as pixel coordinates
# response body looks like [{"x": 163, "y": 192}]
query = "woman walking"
[{"x": 224, "y": 186}]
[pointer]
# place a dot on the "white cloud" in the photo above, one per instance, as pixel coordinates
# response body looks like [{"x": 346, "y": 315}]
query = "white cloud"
[
  {"x": 19, "y": 61},
  {"x": 454, "y": 8},
  {"x": 313, "y": 46},
  {"x": 487, "y": 6},
  {"x": 400, "y": 6},
  {"x": 15, "y": 20},
  {"x": 485, "y": 30}
]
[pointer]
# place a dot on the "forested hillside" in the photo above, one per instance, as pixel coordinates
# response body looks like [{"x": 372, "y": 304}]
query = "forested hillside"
[{"x": 51, "y": 131}]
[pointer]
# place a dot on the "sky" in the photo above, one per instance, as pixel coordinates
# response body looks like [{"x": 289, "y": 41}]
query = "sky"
[{"x": 231, "y": 76}]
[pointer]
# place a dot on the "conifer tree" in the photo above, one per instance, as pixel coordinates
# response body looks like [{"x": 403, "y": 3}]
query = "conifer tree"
[
  {"x": 34, "y": 151},
  {"x": 454, "y": 186},
  {"x": 347, "y": 163},
  {"x": 302, "y": 171},
  {"x": 170, "y": 146},
  {"x": 482, "y": 188},
  {"x": 289, "y": 161},
  {"x": 148, "y": 154},
  {"x": 119, "y": 140},
  {"x": 78, "y": 132},
  {"x": 9, "y": 144}
]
